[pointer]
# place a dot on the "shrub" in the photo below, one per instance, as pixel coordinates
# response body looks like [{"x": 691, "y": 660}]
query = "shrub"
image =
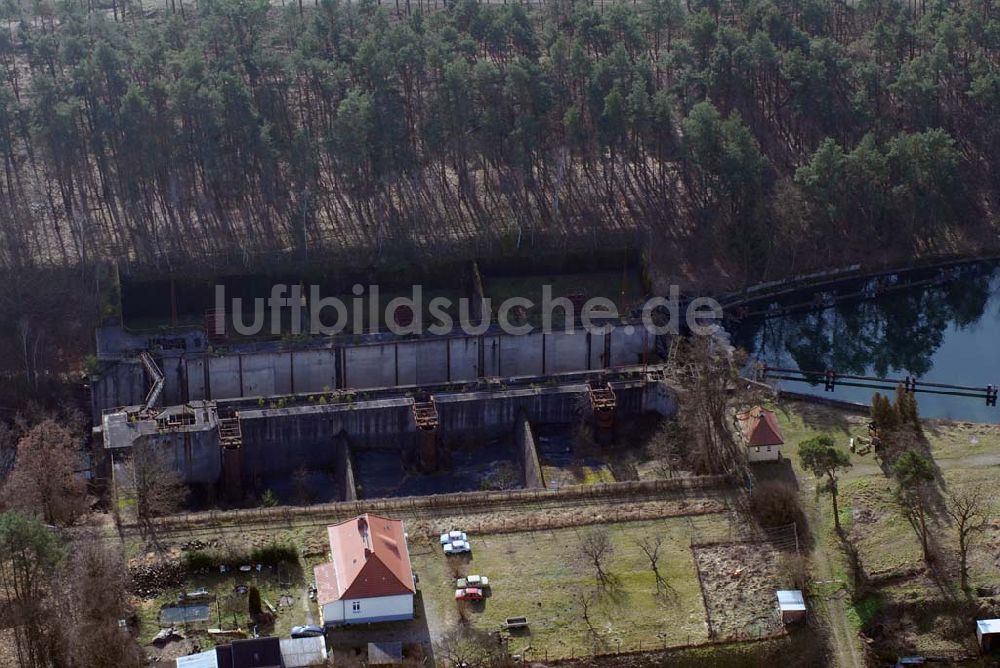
[
  {"x": 199, "y": 560},
  {"x": 776, "y": 504},
  {"x": 270, "y": 555},
  {"x": 274, "y": 553},
  {"x": 253, "y": 602},
  {"x": 268, "y": 500}
]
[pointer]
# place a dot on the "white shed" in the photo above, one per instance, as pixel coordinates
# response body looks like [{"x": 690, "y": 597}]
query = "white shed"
[
  {"x": 302, "y": 652},
  {"x": 988, "y": 633},
  {"x": 792, "y": 605},
  {"x": 200, "y": 660}
]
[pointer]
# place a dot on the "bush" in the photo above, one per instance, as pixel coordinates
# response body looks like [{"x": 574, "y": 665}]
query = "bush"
[
  {"x": 274, "y": 553},
  {"x": 270, "y": 555},
  {"x": 254, "y": 605},
  {"x": 199, "y": 560},
  {"x": 776, "y": 504},
  {"x": 268, "y": 500},
  {"x": 796, "y": 571}
]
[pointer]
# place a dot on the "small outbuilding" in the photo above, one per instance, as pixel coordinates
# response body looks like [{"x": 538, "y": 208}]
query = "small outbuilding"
[
  {"x": 792, "y": 606},
  {"x": 761, "y": 434},
  {"x": 385, "y": 653},
  {"x": 267, "y": 652},
  {"x": 302, "y": 652},
  {"x": 988, "y": 633}
]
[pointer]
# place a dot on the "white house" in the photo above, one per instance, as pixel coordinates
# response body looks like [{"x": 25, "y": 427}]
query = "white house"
[
  {"x": 369, "y": 577},
  {"x": 761, "y": 434}
]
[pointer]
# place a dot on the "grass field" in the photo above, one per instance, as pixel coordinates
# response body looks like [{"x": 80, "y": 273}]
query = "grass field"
[
  {"x": 543, "y": 576},
  {"x": 918, "y": 610}
]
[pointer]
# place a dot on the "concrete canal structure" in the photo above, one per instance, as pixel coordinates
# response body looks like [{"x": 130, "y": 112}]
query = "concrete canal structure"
[{"x": 232, "y": 418}]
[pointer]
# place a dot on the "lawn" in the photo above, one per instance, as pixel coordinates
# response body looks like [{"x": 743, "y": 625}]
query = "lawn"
[
  {"x": 966, "y": 454},
  {"x": 543, "y": 576}
]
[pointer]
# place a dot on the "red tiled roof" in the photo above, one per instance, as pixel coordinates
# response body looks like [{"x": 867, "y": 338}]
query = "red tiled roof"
[
  {"x": 760, "y": 427},
  {"x": 326, "y": 583},
  {"x": 370, "y": 559}
]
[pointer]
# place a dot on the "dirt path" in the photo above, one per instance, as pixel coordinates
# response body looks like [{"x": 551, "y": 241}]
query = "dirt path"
[
  {"x": 844, "y": 641},
  {"x": 307, "y": 609}
]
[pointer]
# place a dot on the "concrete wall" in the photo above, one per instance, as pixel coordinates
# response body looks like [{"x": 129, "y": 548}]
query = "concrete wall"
[
  {"x": 316, "y": 435},
  {"x": 315, "y": 426},
  {"x": 527, "y": 454},
  {"x": 195, "y": 455},
  {"x": 424, "y": 361},
  {"x": 124, "y": 384},
  {"x": 313, "y": 370},
  {"x": 627, "y": 348},
  {"x": 345, "y": 469},
  {"x": 468, "y": 413},
  {"x": 659, "y": 398},
  {"x": 174, "y": 385}
]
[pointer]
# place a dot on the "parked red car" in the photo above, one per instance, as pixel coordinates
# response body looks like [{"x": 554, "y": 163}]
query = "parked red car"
[{"x": 469, "y": 594}]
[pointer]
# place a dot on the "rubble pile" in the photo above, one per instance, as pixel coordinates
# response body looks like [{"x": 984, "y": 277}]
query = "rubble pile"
[{"x": 150, "y": 579}]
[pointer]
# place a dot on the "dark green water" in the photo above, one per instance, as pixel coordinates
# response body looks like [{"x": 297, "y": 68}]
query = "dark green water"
[{"x": 948, "y": 333}]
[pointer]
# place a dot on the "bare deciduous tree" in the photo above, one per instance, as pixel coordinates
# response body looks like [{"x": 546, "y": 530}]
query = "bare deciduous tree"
[
  {"x": 712, "y": 392},
  {"x": 597, "y": 548},
  {"x": 44, "y": 478},
  {"x": 968, "y": 508},
  {"x": 158, "y": 487},
  {"x": 92, "y": 601},
  {"x": 586, "y": 600},
  {"x": 467, "y": 646},
  {"x": 650, "y": 546}
]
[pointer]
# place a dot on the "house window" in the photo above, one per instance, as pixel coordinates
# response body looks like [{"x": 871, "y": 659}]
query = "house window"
[
  {"x": 356, "y": 606},
  {"x": 769, "y": 448}
]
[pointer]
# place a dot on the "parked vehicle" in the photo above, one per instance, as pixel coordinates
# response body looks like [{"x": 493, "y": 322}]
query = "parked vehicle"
[
  {"x": 457, "y": 547},
  {"x": 453, "y": 536},
  {"x": 469, "y": 594},
  {"x": 480, "y": 581},
  {"x": 307, "y": 631}
]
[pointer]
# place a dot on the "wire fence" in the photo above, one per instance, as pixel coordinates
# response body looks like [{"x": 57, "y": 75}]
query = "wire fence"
[
  {"x": 784, "y": 538},
  {"x": 619, "y": 648},
  {"x": 466, "y": 501}
]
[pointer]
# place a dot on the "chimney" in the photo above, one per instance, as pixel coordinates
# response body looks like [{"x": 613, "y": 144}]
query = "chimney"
[{"x": 368, "y": 553}]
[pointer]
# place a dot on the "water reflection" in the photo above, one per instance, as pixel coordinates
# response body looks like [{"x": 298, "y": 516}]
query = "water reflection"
[{"x": 948, "y": 332}]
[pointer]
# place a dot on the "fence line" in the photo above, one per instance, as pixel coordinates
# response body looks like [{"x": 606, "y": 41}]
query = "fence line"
[
  {"x": 461, "y": 500},
  {"x": 647, "y": 647}
]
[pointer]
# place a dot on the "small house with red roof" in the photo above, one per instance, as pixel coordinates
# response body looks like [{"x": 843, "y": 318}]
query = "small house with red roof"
[
  {"x": 761, "y": 434},
  {"x": 369, "y": 577}
]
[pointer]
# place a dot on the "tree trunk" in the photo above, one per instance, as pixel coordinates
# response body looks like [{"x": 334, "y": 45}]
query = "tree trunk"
[{"x": 836, "y": 508}]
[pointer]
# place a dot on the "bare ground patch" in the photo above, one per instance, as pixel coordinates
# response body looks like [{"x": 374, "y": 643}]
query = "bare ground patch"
[{"x": 738, "y": 582}]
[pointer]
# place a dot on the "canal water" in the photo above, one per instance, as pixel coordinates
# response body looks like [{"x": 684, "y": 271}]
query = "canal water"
[{"x": 946, "y": 333}]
